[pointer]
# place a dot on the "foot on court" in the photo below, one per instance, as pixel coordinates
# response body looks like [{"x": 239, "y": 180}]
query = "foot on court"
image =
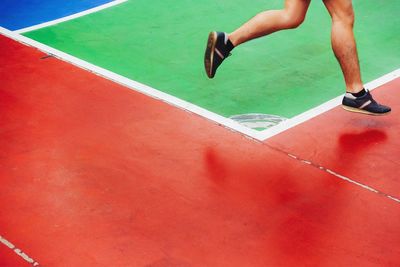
[
  {"x": 364, "y": 104},
  {"x": 218, "y": 48}
]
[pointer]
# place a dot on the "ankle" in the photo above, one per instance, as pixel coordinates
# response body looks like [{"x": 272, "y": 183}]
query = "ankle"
[
  {"x": 359, "y": 93},
  {"x": 354, "y": 89},
  {"x": 231, "y": 37}
]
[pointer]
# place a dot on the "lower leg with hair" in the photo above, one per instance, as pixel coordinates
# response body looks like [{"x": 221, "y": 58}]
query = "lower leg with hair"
[
  {"x": 343, "y": 42},
  {"x": 271, "y": 21},
  {"x": 344, "y": 46}
]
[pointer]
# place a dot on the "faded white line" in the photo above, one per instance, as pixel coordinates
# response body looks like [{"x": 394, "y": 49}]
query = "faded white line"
[
  {"x": 342, "y": 177},
  {"x": 74, "y": 16},
  {"x": 360, "y": 184},
  {"x": 18, "y": 251}
]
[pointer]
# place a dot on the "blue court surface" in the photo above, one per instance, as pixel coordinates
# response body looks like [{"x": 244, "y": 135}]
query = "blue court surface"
[{"x": 19, "y": 14}]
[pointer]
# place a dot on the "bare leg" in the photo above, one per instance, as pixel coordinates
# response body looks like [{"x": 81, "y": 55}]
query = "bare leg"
[
  {"x": 218, "y": 47},
  {"x": 343, "y": 42},
  {"x": 271, "y": 21}
]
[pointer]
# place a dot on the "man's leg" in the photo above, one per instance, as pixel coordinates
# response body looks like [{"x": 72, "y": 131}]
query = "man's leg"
[
  {"x": 271, "y": 21},
  {"x": 345, "y": 50},
  {"x": 220, "y": 44},
  {"x": 343, "y": 42}
]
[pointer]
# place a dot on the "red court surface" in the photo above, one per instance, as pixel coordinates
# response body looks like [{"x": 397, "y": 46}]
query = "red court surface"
[
  {"x": 9, "y": 258},
  {"x": 95, "y": 174},
  {"x": 365, "y": 148}
]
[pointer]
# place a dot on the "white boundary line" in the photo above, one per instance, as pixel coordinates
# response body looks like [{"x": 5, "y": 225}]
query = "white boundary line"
[
  {"x": 18, "y": 251},
  {"x": 287, "y": 124},
  {"x": 133, "y": 84},
  {"x": 347, "y": 179},
  {"x": 74, "y": 16},
  {"x": 231, "y": 124}
]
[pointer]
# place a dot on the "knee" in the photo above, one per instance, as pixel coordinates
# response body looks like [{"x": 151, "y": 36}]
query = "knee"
[
  {"x": 292, "y": 20},
  {"x": 345, "y": 16}
]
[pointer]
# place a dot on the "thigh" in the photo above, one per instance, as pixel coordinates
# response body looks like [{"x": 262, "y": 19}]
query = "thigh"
[
  {"x": 297, "y": 9},
  {"x": 297, "y": 6}
]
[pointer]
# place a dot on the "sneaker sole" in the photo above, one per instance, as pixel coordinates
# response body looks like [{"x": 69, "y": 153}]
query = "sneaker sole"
[
  {"x": 357, "y": 110},
  {"x": 209, "y": 55}
]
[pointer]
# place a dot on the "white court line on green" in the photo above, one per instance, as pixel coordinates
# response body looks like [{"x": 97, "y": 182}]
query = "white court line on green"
[
  {"x": 73, "y": 16},
  {"x": 307, "y": 115}
]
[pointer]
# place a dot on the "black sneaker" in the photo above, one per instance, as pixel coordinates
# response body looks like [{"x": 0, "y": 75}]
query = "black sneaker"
[
  {"x": 364, "y": 104},
  {"x": 218, "y": 48}
]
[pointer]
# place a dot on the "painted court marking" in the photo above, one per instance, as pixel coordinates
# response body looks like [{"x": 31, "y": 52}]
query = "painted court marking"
[
  {"x": 305, "y": 116},
  {"x": 18, "y": 251},
  {"x": 134, "y": 85},
  {"x": 73, "y": 16},
  {"x": 342, "y": 177},
  {"x": 228, "y": 123}
]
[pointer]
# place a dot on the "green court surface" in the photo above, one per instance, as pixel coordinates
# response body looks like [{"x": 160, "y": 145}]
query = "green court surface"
[{"x": 161, "y": 44}]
